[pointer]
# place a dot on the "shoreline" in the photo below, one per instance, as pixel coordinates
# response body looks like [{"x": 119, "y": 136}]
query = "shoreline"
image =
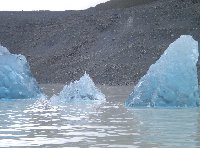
[{"x": 117, "y": 92}]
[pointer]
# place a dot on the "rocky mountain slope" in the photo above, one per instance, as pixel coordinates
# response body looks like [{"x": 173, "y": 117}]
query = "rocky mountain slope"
[
  {"x": 114, "y": 4},
  {"x": 114, "y": 45}
]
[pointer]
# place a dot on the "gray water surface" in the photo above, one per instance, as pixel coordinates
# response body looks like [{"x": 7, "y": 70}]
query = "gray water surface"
[{"x": 38, "y": 123}]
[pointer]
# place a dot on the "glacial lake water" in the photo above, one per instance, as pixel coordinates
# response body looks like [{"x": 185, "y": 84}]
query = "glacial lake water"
[{"x": 37, "y": 123}]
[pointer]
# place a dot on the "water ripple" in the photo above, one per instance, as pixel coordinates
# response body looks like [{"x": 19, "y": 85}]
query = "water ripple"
[{"x": 40, "y": 123}]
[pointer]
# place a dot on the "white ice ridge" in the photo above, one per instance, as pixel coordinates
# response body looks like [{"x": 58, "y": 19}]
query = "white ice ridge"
[
  {"x": 3, "y": 50},
  {"x": 172, "y": 81},
  {"x": 16, "y": 80},
  {"x": 83, "y": 90}
]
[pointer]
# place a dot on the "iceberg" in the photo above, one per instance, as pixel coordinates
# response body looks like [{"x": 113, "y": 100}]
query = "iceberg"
[
  {"x": 83, "y": 90},
  {"x": 16, "y": 80},
  {"x": 172, "y": 81}
]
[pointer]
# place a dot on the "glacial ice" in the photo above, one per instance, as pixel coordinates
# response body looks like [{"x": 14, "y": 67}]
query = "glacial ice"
[
  {"x": 3, "y": 50},
  {"x": 172, "y": 81},
  {"x": 16, "y": 80},
  {"x": 83, "y": 90}
]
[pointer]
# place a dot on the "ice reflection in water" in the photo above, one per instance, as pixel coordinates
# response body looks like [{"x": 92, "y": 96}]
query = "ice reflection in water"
[{"x": 39, "y": 123}]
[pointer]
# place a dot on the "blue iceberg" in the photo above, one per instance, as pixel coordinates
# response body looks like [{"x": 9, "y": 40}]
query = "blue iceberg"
[
  {"x": 16, "y": 80},
  {"x": 172, "y": 81},
  {"x": 83, "y": 90}
]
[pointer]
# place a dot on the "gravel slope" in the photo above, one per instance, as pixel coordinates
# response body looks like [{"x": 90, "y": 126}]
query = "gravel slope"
[{"x": 115, "y": 46}]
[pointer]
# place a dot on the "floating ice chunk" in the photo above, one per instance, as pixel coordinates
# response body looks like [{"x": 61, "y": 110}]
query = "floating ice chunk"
[
  {"x": 83, "y": 90},
  {"x": 16, "y": 80},
  {"x": 172, "y": 81}
]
